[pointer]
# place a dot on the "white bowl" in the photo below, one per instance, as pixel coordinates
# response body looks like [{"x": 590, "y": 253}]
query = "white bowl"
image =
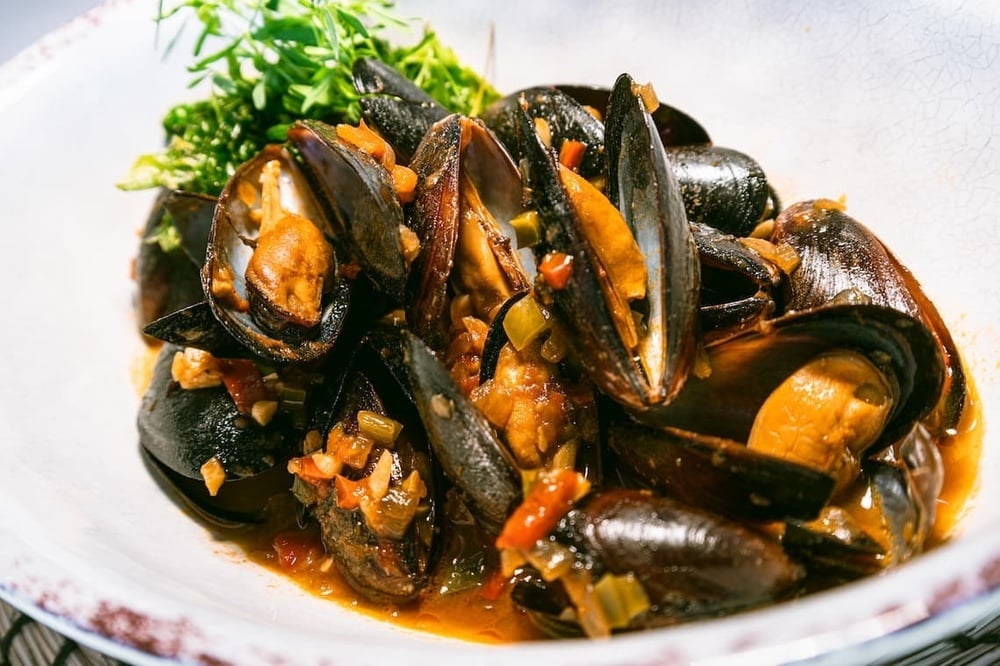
[{"x": 894, "y": 107}]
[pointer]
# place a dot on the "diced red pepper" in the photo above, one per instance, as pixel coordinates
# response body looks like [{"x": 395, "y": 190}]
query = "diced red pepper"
[
  {"x": 571, "y": 153},
  {"x": 305, "y": 468},
  {"x": 244, "y": 383},
  {"x": 556, "y": 269},
  {"x": 547, "y": 501}
]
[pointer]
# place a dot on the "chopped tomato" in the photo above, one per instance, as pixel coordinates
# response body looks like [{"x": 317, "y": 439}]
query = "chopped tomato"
[
  {"x": 349, "y": 493},
  {"x": 556, "y": 269},
  {"x": 547, "y": 501},
  {"x": 293, "y": 548},
  {"x": 244, "y": 383},
  {"x": 571, "y": 153}
]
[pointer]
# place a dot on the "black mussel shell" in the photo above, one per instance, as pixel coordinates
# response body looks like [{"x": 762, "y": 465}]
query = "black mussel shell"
[
  {"x": 183, "y": 429},
  {"x": 168, "y": 279},
  {"x": 252, "y": 323}
]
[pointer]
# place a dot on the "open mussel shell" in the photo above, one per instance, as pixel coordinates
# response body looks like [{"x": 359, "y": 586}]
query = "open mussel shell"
[
  {"x": 183, "y": 429},
  {"x": 643, "y": 187},
  {"x": 457, "y": 153},
  {"x": 641, "y": 183},
  {"x": 840, "y": 256},
  {"x": 391, "y": 568},
  {"x": 249, "y": 319},
  {"x": 745, "y": 369},
  {"x": 359, "y": 203},
  {"x": 168, "y": 278},
  {"x": 720, "y": 475}
]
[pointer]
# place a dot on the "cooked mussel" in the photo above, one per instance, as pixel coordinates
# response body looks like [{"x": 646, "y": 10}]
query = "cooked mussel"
[
  {"x": 607, "y": 268},
  {"x": 270, "y": 274},
  {"x": 360, "y": 201},
  {"x": 823, "y": 389},
  {"x": 468, "y": 190},
  {"x": 370, "y": 486},
  {"x": 842, "y": 259}
]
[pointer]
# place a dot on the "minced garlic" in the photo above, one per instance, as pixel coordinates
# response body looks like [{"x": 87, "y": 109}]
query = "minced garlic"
[
  {"x": 195, "y": 369},
  {"x": 213, "y": 474}
]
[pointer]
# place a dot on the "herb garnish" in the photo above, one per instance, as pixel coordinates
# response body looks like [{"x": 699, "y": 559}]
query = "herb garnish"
[{"x": 280, "y": 61}]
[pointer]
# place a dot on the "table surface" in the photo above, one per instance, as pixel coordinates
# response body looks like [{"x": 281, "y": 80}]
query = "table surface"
[{"x": 24, "y": 642}]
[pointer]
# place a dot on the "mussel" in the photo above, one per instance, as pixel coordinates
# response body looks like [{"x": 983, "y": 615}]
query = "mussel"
[
  {"x": 270, "y": 274},
  {"x": 368, "y": 482},
  {"x": 225, "y": 457},
  {"x": 811, "y": 394},
  {"x": 626, "y": 560},
  {"x": 842, "y": 259},
  {"x": 625, "y": 279},
  {"x": 467, "y": 188}
]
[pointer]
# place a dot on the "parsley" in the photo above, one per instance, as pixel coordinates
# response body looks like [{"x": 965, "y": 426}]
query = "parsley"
[{"x": 277, "y": 61}]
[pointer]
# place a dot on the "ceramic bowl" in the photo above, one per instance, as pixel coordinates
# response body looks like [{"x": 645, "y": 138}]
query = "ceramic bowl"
[{"x": 893, "y": 107}]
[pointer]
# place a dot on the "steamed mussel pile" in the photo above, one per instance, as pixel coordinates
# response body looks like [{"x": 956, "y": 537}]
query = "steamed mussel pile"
[{"x": 574, "y": 328}]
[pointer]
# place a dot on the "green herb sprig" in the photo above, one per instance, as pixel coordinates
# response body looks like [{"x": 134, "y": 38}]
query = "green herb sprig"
[{"x": 277, "y": 61}]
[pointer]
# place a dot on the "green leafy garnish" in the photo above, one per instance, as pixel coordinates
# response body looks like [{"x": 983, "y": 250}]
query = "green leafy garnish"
[
  {"x": 166, "y": 234},
  {"x": 278, "y": 61}
]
